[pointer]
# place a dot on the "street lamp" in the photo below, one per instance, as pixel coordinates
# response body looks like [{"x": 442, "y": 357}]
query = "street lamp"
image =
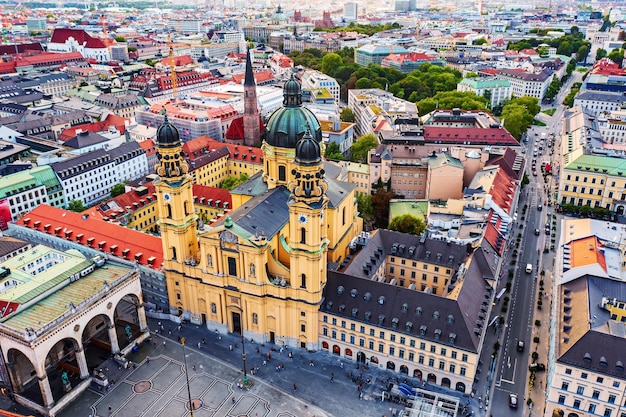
[
  {"x": 246, "y": 381},
  {"x": 182, "y": 342}
]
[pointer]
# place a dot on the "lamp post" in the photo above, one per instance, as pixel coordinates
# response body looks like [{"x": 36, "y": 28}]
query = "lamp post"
[
  {"x": 182, "y": 342},
  {"x": 246, "y": 381}
]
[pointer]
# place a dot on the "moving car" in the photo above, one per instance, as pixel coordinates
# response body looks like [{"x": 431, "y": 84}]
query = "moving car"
[
  {"x": 529, "y": 268},
  {"x": 537, "y": 232},
  {"x": 520, "y": 345},
  {"x": 513, "y": 400}
]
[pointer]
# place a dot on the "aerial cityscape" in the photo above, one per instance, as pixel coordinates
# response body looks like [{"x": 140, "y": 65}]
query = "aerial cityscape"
[{"x": 360, "y": 208}]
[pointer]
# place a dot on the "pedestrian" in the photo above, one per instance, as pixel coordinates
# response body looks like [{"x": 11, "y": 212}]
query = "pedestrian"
[
  {"x": 264, "y": 363},
  {"x": 341, "y": 365},
  {"x": 234, "y": 400},
  {"x": 110, "y": 410},
  {"x": 203, "y": 341},
  {"x": 199, "y": 345},
  {"x": 269, "y": 355},
  {"x": 332, "y": 377},
  {"x": 178, "y": 339},
  {"x": 281, "y": 350},
  {"x": 295, "y": 387},
  {"x": 311, "y": 363},
  {"x": 194, "y": 367},
  {"x": 164, "y": 344},
  {"x": 147, "y": 360},
  {"x": 155, "y": 344},
  {"x": 230, "y": 347}
]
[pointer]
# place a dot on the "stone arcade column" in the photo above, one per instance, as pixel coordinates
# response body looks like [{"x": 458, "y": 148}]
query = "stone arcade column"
[
  {"x": 82, "y": 362},
  {"x": 141, "y": 314},
  {"x": 115, "y": 346},
  {"x": 46, "y": 392}
]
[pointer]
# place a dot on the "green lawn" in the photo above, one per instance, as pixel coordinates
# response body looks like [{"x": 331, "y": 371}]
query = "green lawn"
[
  {"x": 549, "y": 112},
  {"x": 538, "y": 123}
]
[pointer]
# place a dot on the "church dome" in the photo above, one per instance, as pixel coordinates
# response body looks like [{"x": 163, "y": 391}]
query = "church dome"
[
  {"x": 288, "y": 124},
  {"x": 308, "y": 150},
  {"x": 167, "y": 135}
]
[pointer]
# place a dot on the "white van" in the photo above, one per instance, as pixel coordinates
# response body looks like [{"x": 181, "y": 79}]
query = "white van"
[{"x": 529, "y": 268}]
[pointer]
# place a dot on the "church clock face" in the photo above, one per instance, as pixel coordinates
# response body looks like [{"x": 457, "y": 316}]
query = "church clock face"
[
  {"x": 167, "y": 197},
  {"x": 302, "y": 219}
]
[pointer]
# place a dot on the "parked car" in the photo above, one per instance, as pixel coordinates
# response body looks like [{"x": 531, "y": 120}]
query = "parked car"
[{"x": 513, "y": 400}]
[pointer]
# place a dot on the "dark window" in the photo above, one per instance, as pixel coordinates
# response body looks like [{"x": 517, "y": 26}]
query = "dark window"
[
  {"x": 303, "y": 236},
  {"x": 232, "y": 266},
  {"x": 282, "y": 176},
  {"x": 303, "y": 282}
]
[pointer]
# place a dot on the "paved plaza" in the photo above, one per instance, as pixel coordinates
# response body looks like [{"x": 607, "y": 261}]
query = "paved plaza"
[{"x": 157, "y": 385}]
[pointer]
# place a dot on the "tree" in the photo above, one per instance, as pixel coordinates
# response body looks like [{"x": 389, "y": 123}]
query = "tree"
[
  {"x": 407, "y": 223},
  {"x": 132, "y": 48},
  {"x": 331, "y": 63},
  {"x": 480, "y": 41},
  {"x": 617, "y": 56},
  {"x": 452, "y": 99},
  {"x": 347, "y": 115},
  {"x": 365, "y": 207},
  {"x": 118, "y": 189},
  {"x": 582, "y": 53},
  {"x": 76, "y": 205},
  {"x": 232, "y": 182},
  {"x": 600, "y": 53},
  {"x": 557, "y": 412},
  {"x": 120, "y": 39},
  {"x": 362, "y": 146},
  {"x": 380, "y": 206},
  {"x": 333, "y": 152}
]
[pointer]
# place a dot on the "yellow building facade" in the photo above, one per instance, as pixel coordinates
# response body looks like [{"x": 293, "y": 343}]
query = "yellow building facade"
[{"x": 261, "y": 269}]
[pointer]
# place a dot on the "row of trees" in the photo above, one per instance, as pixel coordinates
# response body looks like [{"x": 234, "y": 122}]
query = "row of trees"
[
  {"x": 361, "y": 29},
  {"x": 565, "y": 45},
  {"x": 423, "y": 83},
  {"x": 518, "y": 114}
]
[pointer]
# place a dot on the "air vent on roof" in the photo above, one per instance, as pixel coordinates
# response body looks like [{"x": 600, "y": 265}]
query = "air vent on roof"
[
  {"x": 603, "y": 361},
  {"x": 340, "y": 289},
  {"x": 353, "y": 293},
  {"x": 619, "y": 366},
  {"x": 436, "y": 315},
  {"x": 381, "y": 300},
  {"x": 367, "y": 296},
  {"x": 587, "y": 357}
]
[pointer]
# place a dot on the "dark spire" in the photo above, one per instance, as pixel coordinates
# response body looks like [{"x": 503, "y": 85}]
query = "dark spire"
[{"x": 249, "y": 79}]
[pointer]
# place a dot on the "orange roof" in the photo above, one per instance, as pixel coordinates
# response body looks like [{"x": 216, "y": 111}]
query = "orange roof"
[
  {"x": 194, "y": 147},
  {"x": 587, "y": 251},
  {"x": 96, "y": 233},
  {"x": 503, "y": 190},
  {"x": 111, "y": 120},
  {"x": 210, "y": 196},
  {"x": 260, "y": 76},
  {"x": 179, "y": 61},
  {"x": 148, "y": 146}
]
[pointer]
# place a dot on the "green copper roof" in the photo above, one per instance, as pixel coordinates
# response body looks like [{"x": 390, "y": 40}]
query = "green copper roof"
[
  {"x": 599, "y": 164},
  {"x": 29, "y": 178}
]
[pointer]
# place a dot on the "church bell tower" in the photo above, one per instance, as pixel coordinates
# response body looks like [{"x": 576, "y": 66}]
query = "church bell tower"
[
  {"x": 307, "y": 218},
  {"x": 177, "y": 219}
]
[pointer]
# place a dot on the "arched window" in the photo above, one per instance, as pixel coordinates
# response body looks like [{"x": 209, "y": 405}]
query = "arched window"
[
  {"x": 209, "y": 260},
  {"x": 168, "y": 207},
  {"x": 303, "y": 235},
  {"x": 173, "y": 253},
  {"x": 282, "y": 173},
  {"x": 303, "y": 281},
  {"x": 255, "y": 318},
  {"x": 213, "y": 308},
  {"x": 343, "y": 216}
]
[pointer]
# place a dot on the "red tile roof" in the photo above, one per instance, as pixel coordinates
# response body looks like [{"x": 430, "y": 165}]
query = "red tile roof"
[
  {"x": 90, "y": 232},
  {"x": 193, "y": 149},
  {"x": 411, "y": 57},
  {"x": 260, "y": 76},
  {"x": 111, "y": 120},
  {"x": 473, "y": 135},
  {"x": 47, "y": 58},
  {"x": 495, "y": 238},
  {"x": 202, "y": 195},
  {"x": 148, "y": 145},
  {"x": 606, "y": 66},
  {"x": 179, "y": 61},
  {"x": 82, "y": 37},
  {"x": 503, "y": 191}
]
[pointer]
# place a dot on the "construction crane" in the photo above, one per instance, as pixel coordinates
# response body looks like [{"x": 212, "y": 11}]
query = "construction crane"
[
  {"x": 172, "y": 68},
  {"x": 480, "y": 12},
  {"x": 106, "y": 34}
]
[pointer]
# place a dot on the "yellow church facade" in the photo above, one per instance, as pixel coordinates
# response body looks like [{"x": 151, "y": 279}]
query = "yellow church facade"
[{"x": 261, "y": 269}]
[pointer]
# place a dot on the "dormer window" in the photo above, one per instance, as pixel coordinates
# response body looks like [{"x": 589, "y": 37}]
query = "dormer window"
[
  {"x": 394, "y": 323},
  {"x": 423, "y": 329}
]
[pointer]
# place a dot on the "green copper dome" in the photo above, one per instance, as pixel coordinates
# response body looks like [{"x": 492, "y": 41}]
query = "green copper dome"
[
  {"x": 288, "y": 124},
  {"x": 167, "y": 135}
]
